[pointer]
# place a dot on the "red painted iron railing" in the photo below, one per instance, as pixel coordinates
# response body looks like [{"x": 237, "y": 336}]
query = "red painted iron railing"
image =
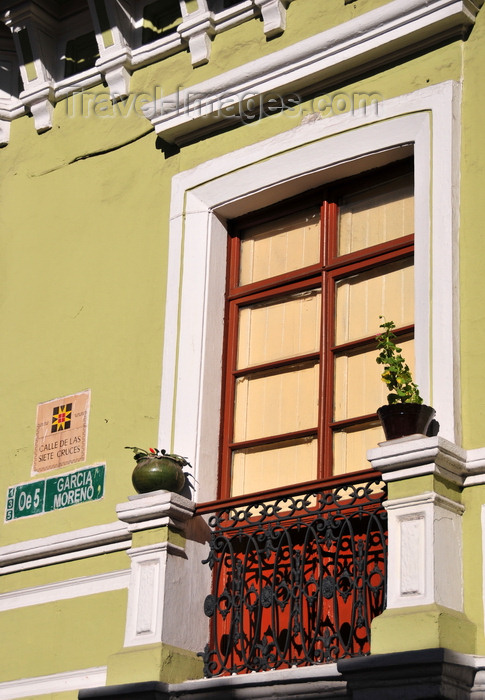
[{"x": 298, "y": 575}]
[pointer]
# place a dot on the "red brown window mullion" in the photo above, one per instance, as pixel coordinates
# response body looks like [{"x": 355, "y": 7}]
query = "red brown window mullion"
[
  {"x": 328, "y": 360},
  {"x": 230, "y": 353},
  {"x": 233, "y": 263},
  {"x": 329, "y": 222},
  {"x": 228, "y": 401}
]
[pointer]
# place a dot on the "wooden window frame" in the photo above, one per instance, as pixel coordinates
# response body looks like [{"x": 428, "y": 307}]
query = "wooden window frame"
[{"x": 323, "y": 275}]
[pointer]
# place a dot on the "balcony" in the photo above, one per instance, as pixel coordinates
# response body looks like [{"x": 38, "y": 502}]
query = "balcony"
[
  {"x": 298, "y": 575},
  {"x": 293, "y": 580}
]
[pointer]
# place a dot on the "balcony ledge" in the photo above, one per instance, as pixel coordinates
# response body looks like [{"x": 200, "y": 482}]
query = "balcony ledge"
[
  {"x": 312, "y": 682},
  {"x": 417, "y": 455},
  {"x": 413, "y": 675}
]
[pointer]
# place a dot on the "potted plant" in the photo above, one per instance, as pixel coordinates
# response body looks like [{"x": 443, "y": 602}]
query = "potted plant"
[
  {"x": 405, "y": 414},
  {"x": 155, "y": 470}
]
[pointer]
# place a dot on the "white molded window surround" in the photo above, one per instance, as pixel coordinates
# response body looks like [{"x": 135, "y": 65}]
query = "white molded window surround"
[{"x": 204, "y": 199}]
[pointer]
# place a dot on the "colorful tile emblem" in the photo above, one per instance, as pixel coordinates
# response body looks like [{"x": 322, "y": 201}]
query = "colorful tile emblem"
[
  {"x": 61, "y": 432},
  {"x": 61, "y": 417}
]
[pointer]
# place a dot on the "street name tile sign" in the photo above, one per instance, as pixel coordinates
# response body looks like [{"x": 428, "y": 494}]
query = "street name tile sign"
[
  {"x": 61, "y": 432},
  {"x": 56, "y": 492}
]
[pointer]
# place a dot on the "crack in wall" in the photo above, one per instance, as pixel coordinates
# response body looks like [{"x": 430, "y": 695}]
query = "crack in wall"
[{"x": 94, "y": 154}]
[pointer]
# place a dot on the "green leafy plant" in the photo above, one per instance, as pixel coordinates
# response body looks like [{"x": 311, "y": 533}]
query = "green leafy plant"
[
  {"x": 396, "y": 373},
  {"x": 155, "y": 453}
]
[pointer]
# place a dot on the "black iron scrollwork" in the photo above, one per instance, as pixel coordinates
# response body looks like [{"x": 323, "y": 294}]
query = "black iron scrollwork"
[{"x": 297, "y": 580}]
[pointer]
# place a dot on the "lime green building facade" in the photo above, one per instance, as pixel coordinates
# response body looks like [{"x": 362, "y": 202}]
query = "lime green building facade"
[{"x": 132, "y": 134}]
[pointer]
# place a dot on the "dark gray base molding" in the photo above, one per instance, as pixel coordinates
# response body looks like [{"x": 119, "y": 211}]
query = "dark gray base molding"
[
  {"x": 415, "y": 675},
  {"x": 149, "y": 690},
  {"x": 440, "y": 674}
]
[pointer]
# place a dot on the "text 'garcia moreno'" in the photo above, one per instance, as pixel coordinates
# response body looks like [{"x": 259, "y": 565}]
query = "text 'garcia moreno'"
[{"x": 37, "y": 497}]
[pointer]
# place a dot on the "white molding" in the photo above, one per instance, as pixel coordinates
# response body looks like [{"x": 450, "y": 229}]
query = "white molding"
[
  {"x": 4, "y": 131},
  {"x": 75, "y": 83},
  {"x": 166, "y": 577},
  {"x": 424, "y": 552},
  {"x": 65, "y": 590},
  {"x": 482, "y": 533},
  {"x": 53, "y": 683},
  {"x": 409, "y": 458},
  {"x": 398, "y": 26},
  {"x": 118, "y": 59},
  {"x": 254, "y": 682},
  {"x": 10, "y": 108},
  {"x": 155, "y": 509},
  {"x": 267, "y": 172},
  {"x": 197, "y": 29},
  {"x": 149, "y": 600},
  {"x": 274, "y": 16},
  {"x": 423, "y": 499},
  {"x": 66, "y": 546},
  {"x": 233, "y": 16}
]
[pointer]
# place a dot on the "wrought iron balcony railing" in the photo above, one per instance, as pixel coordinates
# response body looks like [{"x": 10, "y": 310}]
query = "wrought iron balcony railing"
[{"x": 298, "y": 575}]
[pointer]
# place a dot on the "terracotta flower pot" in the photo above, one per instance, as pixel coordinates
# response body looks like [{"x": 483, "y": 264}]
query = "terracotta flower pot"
[
  {"x": 155, "y": 473},
  {"x": 402, "y": 419}
]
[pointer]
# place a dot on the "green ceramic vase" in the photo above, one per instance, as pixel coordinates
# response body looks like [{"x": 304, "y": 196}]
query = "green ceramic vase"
[{"x": 155, "y": 473}]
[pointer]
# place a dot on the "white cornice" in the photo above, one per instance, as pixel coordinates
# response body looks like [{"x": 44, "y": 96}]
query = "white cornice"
[
  {"x": 422, "y": 499},
  {"x": 47, "y": 29},
  {"x": 53, "y": 683},
  {"x": 65, "y": 590},
  {"x": 155, "y": 509},
  {"x": 398, "y": 28},
  {"x": 409, "y": 458},
  {"x": 66, "y": 546}
]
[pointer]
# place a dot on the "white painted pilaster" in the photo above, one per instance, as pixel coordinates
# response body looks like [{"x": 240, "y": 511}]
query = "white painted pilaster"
[
  {"x": 425, "y": 552},
  {"x": 425, "y": 531},
  {"x": 167, "y": 581},
  {"x": 148, "y": 602}
]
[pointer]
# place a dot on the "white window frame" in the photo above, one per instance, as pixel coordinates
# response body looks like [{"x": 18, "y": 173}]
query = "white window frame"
[{"x": 427, "y": 123}]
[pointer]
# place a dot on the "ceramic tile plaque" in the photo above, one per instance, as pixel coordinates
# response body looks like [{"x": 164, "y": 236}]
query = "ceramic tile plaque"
[{"x": 61, "y": 432}]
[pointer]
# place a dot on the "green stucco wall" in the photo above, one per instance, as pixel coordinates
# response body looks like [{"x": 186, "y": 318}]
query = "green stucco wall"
[
  {"x": 61, "y": 636},
  {"x": 472, "y": 318},
  {"x": 473, "y": 500}
]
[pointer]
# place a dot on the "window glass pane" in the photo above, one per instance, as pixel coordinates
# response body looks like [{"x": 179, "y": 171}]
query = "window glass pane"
[
  {"x": 377, "y": 215},
  {"x": 272, "y": 403},
  {"x": 280, "y": 246},
  {"x": 160, "y": 19},
  {"x": 385, "y": 291},
  {"x": 358, "y": 388},
  {"x": 350, "y": 447},
  {"x": 81, "y": 54},
  {"x": 275, "y": 330},
  {"x": 279, "y": 464}
]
